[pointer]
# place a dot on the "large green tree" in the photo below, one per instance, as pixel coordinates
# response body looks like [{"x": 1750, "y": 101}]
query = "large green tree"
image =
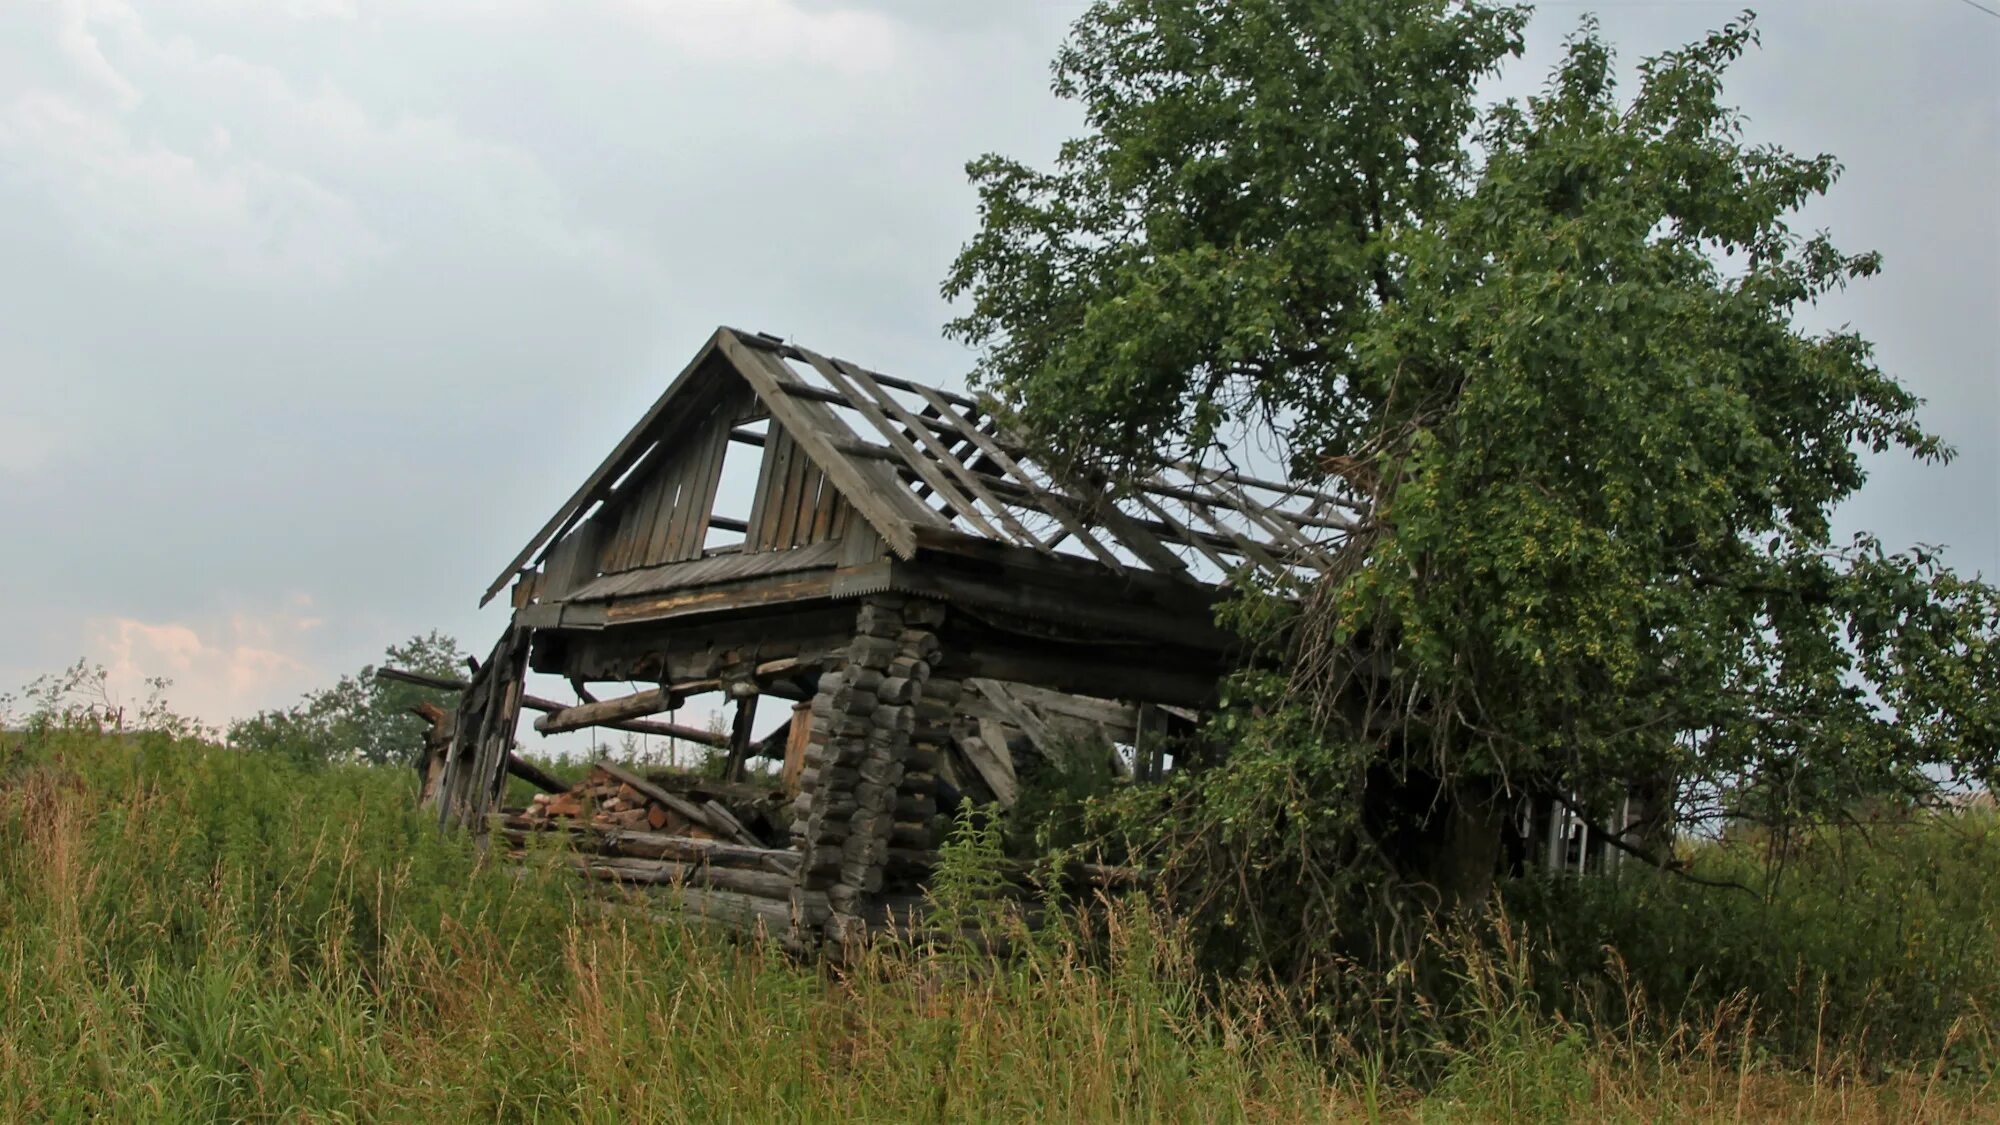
[{"x": 1550, "y": 348}]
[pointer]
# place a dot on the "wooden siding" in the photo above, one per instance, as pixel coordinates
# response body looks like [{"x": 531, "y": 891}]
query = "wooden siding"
[
  {"x": 660, "y": 513},
  {"x": 796, "y": 505}
]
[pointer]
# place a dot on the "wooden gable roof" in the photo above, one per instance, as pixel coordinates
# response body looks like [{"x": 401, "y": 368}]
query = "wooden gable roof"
[{"x": 927, "y": 467}]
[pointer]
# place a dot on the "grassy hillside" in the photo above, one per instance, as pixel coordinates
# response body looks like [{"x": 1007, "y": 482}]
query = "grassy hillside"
[{"x": 193, "y": 933}]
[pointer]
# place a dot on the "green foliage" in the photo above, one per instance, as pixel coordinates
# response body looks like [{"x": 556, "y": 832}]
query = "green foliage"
[
  {"x": 1208, "y": 248},
  {"x": 1548, "y": 348},
  {"x": 190, "y": 932},
  {"x": 1875, "y": 942},
  {"x": 359, "y": 719},
  {"x": 1060, "y": 804},
  {"x": 969, "y": 889}
]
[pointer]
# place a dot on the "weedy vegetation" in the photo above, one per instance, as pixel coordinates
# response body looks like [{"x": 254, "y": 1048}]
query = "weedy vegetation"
[{"x": 194, "y": 932}]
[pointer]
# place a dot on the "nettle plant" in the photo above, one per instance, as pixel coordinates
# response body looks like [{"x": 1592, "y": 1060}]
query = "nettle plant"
[{"x": 1552, "y": 345}]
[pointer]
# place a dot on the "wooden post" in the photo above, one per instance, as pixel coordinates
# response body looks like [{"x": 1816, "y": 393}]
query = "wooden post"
[
  {"x": 739, "y": 738},
  {"x": 1557, "y": 845},
  {"x": 796, "y": 740}
]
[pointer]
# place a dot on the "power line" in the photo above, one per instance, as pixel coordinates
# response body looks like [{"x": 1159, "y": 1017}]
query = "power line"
[{"x": 1977, "y": 6}]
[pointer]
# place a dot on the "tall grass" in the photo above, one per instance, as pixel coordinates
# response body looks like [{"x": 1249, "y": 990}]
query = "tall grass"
[
  {"x": 192, "y": 933},
  {"x": 1863, "y": 950}
]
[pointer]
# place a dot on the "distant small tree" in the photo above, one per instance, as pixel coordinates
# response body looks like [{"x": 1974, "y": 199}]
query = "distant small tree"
[{"x": 359, "y": 718}]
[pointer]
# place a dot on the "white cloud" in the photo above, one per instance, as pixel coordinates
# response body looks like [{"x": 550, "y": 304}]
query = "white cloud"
[
  {"x": 221, "y": 668},
  {"x": 158, "y": 208},
  {"x": 132, "y": 195},
  {"x": 726, "y": 32},
  {"x": 167, "y": 157},
  {"x": 25, "y": 446},
  {"x": 77, "y": 38}
]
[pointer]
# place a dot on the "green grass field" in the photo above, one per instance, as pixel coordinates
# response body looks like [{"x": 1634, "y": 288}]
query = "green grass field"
[{"x": 190, "y": 933}]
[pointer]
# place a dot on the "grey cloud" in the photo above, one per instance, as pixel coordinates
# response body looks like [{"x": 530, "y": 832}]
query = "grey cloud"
[{"x": 329, "y": 304}]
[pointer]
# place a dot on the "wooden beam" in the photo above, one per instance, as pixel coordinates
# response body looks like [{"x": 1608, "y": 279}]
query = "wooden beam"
[
  {"x": 1044, "y": 500},
  {"x": 644, "y": 845},
  {"x": 993, "y": 764},
  {"x": 914, "y": 457},
  {"x": 682, "y": 807},
  {"x": 1017, "y": 712},
  {"x": 550, "y": 706},
  {"x": 534, "y": 775},
  {"x": 865, "y": 491},
  {"x": 635, "y": 442},
  {"x": 1090, "y": 674},
  {"x": 1193, "y": 470},
  {"x": 635, "y": 706},
  {"x": 1187, "y": 534},
  {"x": 739, "y": 738},
  {"x": 1247, "y": 546},
  {"x": 943, "y": 454},
  {"x": 1272, "y": 521}
]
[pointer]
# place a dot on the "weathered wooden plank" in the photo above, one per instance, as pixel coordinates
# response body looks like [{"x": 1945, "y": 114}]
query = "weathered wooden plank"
[
  {"x": 663, "y": 505},
  {"x": 688, "y": 810},
  {"x": 691, "y": 527},
  {"x": 1016, "y": 712},
  {"x": 924, "y": 466},
  {"x": 1140, "y": 541},
  {"x": 869, "y": 492},
  {"x": 944, "y": 455},
  {"x": 1149, "y": 681},
  {"x": 1275, "y": 523},
  {"x": 564, "y": 569},
  {"x": 823, "y": 508},
  {"x": 490, "y": 778},
  {"x": 617, "y": 517},
  {"x": 739, "y": 738},
  {"x": 643, "y": 844},
  {"x": 609, "y": 470},
  {"x": 638, "y": 705},
  {"x": 735, "y": 596},
  {"x": 1187, "y": 534},
  {"x": 1249, "y": 548},
  {"x": 665, "y": 872},
  {"x": 1110, "y": 714},
  {"x": 843, "y": 518},
  {"x": 763, "y": 505},
  {"x": 1280, "y": 487},
  {"x": 1044, "y": 500},
  {"x": 797, "y": 739},
  {"x": 789, "y": 493},
  {"x": 994, "y": 766},
  {"x": 1082, "y": 608}
]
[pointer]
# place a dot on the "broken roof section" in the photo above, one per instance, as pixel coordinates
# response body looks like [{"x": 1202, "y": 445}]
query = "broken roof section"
[{"x": 925, "y": 466}]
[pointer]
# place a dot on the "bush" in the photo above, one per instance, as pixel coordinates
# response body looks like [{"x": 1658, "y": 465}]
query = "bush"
[{"x": 1877, "y": 945}]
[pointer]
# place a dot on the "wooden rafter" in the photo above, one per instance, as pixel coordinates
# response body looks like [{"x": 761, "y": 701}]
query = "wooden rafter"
[
  {"x": 934, "y": 459},
  {"x": 1048, "y": 502},
  {"x": 925, "y": 467}
]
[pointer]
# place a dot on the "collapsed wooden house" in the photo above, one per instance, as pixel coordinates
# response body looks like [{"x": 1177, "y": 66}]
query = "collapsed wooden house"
[{"x": 931, "y": 599}]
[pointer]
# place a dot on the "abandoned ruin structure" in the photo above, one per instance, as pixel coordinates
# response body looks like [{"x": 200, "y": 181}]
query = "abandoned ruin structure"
[
  {"x": 937, "y": 607},
  {"x": 928, "y": 597}
]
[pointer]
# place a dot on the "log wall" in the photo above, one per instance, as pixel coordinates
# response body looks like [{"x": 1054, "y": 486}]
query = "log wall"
[{"x": 858, "y": 758}]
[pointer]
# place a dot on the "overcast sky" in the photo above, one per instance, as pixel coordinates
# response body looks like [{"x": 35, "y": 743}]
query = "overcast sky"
[{"x": 312, "y": 310}]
